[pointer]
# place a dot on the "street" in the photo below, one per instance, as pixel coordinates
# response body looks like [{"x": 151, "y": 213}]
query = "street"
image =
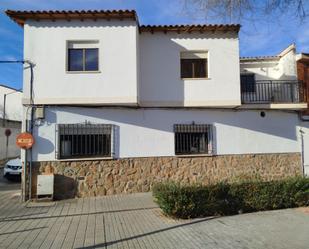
[{"x": 13, "y": 183}]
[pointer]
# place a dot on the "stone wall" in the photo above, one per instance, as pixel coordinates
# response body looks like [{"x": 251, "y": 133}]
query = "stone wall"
[{"x": 106, "y": 177}]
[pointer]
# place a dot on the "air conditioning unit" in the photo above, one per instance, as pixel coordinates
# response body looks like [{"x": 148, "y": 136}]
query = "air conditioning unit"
[{"x": 45, "y": 186}]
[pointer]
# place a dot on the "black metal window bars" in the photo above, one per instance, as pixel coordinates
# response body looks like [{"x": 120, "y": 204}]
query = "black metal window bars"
[
  {"x": 193, "y": 139},
  {"x": 84, "y": 140}
]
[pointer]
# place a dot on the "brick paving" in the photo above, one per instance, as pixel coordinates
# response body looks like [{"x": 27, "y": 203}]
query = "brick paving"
[{"x": 135, "y": 221}]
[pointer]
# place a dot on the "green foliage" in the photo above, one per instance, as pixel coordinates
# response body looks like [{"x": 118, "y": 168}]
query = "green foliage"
[{"x": 188, "y": 201}]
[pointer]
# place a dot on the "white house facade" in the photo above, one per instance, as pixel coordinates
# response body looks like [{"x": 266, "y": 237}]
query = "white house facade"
[{"x": 118, "y": 106}]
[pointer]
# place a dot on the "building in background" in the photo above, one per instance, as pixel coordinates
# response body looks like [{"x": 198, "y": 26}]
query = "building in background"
[
  {"x": 119, "y": 105},
  {"x": 303, "y": 75},
  {"x": 10, "y": 119},
  {"x": 276, "y": 80}
]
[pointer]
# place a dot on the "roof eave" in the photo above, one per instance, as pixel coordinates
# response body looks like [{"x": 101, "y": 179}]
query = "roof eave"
[{"x": 20, "y": 17}]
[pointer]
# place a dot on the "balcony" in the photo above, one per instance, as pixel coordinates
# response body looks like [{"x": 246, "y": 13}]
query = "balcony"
[{"x": 274, "y": 92}]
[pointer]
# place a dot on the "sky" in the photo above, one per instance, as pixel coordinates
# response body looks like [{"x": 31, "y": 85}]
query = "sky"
[{"x": 261, "y": 37}]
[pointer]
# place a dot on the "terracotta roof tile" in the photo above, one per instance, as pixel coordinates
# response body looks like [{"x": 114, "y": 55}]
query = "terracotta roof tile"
[
  {"x": 21, "y": 16},
  {"x": 253, "y": 58},
  {"x": 189, "y": 28}
]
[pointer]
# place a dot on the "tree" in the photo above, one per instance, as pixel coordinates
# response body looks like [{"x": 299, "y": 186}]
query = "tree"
[{"x": 238, "y": 11}]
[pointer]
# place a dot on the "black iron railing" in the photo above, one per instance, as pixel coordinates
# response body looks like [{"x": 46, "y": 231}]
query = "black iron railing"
[{"x": 273, "y": 91}]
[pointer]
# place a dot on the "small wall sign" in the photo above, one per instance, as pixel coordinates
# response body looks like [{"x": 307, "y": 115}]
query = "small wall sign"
[
  {"x": 7, "y": 132},
  {"x": 25, "y": 140}
]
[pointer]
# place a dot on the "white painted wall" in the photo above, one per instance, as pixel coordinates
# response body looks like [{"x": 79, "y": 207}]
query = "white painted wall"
[
  {"x": 13, "y": 150},
  {"x": 13, "y": 106},
  {"x": 149, "y": 132},
  {"x": 115, "y": 83},
  {"x": 284, "y": 68},
  {"x": 287, "y": 66},
  {"x": 305, "y": 130},
  {"x": 133, "y": 67},
  {"x": 161, "y": 83}
]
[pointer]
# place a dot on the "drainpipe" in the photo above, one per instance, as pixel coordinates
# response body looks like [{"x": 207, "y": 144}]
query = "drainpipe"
[
  {"x": 31, "y": 127},
  {"x": 302, "y": 150}
]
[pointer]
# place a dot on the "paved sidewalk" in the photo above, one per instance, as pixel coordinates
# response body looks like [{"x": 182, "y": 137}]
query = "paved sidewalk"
[{"x": 134, "y": 221}]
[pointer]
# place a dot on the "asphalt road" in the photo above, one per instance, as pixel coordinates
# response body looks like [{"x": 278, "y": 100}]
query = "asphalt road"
[{"x": 13, "y": 183}]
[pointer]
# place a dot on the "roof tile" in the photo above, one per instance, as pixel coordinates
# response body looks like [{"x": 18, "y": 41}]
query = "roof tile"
[{"x": 21, "y": 16}]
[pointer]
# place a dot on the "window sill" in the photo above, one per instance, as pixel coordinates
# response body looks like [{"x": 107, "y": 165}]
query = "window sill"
[
  {"x": 85, "y": 159},
  {"x": 196, "y": 155},
  {"x": 195, "y": 78},
  {"x": 82, "y": 72}
]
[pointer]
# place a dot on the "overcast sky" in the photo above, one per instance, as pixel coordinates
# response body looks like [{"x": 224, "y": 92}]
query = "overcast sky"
[{"x": 258, "y": 38}]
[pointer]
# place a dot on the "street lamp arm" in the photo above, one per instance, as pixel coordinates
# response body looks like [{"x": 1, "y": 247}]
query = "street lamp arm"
[{"x": 18, "y": 61}]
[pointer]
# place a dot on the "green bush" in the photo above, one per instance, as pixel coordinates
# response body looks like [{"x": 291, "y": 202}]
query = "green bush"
[{"x": 188, "y": 201}]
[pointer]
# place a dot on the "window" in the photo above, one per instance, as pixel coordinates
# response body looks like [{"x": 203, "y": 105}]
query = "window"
[
  {"x": 194, "y": 65},
  {"x": 84, "y": 140},
  {"x": 193, "y": 139},
  {"x": 247, "y": 82},
  {"x": 83, "y": 56}
]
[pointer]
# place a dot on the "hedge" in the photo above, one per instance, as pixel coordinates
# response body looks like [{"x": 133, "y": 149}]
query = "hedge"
[{"x": 189, "y": 201}]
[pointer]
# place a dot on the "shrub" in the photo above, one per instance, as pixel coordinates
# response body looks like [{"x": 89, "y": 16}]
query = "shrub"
[{"x": 188, "y": 201}]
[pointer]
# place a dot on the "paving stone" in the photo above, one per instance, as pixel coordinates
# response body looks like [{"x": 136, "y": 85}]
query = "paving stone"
[{"x": 135, "y": 221}]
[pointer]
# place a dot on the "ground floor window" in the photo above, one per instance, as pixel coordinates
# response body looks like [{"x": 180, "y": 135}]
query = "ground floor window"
[
  {"x": 193, "y": 139},
  {"x": 84, "y": 140}
]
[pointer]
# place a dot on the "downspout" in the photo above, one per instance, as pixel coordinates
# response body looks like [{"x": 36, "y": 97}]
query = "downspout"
[
  {"x": 302, "y": 150},
  {"x": 24, "y": 182},
  {"x": 31, "y": 127}
]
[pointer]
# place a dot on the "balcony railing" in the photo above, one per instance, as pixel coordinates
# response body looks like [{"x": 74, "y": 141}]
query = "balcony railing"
[{"x": 273, "y": 91}]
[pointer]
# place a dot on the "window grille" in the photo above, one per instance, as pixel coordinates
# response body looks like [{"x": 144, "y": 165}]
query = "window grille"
[
  {"x": 84, "y": 140},
  {"x": 193, "y": 139}
]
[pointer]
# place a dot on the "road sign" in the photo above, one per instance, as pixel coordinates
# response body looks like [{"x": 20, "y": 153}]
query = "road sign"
[
  {"x": 25, "y": 140},
  {"x": 7, "y": 132}
]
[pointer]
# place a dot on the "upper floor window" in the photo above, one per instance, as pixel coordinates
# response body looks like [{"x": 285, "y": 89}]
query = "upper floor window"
[
  {"x": 194, "y": 64},
  {"x": 193, "y": 139},
  {"x": 83, "y": 56},
  {"x": 247, "y": 82}
]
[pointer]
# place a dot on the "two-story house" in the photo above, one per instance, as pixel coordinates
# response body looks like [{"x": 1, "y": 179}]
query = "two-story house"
[{"x": 118, "y": 106}]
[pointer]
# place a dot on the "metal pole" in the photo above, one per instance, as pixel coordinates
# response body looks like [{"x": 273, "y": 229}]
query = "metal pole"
[
  {"x": 4, "y": 106},
  {"x": 24, "y": 176},
  {"x": 6, "y": 148}
]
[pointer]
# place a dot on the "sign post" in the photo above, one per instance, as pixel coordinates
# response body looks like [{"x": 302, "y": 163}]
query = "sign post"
[
  {"x": 25, "y": 141},
  {"x": 7, "y": 133}
]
